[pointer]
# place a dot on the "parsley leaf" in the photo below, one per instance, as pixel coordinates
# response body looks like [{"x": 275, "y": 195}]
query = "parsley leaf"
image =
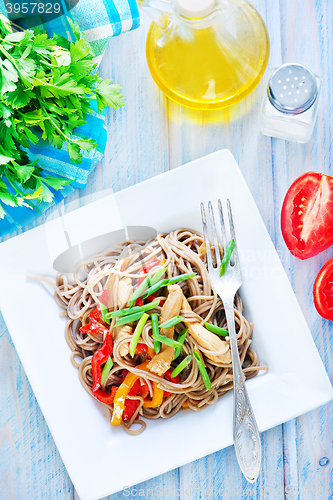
[{"x": 46, "y": 88}]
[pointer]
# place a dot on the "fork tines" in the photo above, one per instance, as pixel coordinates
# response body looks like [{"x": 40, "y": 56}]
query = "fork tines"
[{"x": 234, "y": 258}]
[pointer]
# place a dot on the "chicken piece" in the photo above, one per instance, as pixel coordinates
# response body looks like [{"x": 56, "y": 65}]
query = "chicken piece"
[
  {"x": 121, "y": 331},
  {"x": 207, "y": 339},
  {"x": 124, "y": 292},
  {"x": 161, "y": 362}
]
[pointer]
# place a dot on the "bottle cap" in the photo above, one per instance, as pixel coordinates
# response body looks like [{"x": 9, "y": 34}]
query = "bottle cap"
[
  {"x": 194, "y": 9},
  {"x": 292, "y": 88}
]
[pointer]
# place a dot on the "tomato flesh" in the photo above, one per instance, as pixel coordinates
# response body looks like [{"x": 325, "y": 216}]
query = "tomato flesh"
[
  {"x": 323, "y": 291},
  {"x": 307, "y": 215}
]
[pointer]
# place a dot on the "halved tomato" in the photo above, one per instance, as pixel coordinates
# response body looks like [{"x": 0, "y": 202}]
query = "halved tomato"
[
  {"x": 307, "y": 215},
  {"x": 323, "y": 291}
]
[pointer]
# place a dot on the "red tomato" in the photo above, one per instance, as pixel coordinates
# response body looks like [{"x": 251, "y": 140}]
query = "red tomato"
[
  {"x": 307, "y": 215},
  {"x": 323, "y": 291}
]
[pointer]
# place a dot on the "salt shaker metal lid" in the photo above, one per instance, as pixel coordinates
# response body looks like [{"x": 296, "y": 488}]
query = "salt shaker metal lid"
[{"x": 292, "y": 88}]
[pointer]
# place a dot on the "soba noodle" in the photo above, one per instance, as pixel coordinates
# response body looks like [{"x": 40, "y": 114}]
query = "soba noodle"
[{"x": 183, "y": 251}]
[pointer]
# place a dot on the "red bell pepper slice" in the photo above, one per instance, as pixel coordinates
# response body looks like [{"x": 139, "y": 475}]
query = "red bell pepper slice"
[
  {"x": 151, "y": 298},
  {"x": 141, "y": 348},
  {"x": 104, "y": 298},
  {"x": 99, "y": 358},
  {"x": 96, "y": 315},
  {"x": 146, "y": 268},
  {"x": 94, "y": 327},
  {"x": 174, "y": 380},
  {"x": 106, "y": 397}
]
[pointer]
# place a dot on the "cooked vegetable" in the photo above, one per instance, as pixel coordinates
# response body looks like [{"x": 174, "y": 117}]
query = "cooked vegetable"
[
  {"x": 106, "y": 370},
  {"x": 129, "y": 318},
  {"x": 174, "y": 380},
  {"x": 140, "y": 289},
  {"x": 226, "y": 257},
  {"x": 158, "y": 275},
  {"x": 166, "y": 282},
  {"x": 121, "y": 394},
  {"x": 307, "y": 215},
  {"x": 157, "y": 397},
  {"x": 161, "y": 362},
  {"x": 202, "y": 370},
  {"x": 166, "y": 340},
  {"x": 186, "y": 361},
  {"x": 104, "y": 311},
  {"x": 156, "y": 331},
  {"x": 99, "y": 358},
  {"x": 323, "y": 291},
  {"x": 132, "y": 310},
  {"x": 137, "y": 333},
  {"x": 46, "y": 90},
  {"x": 94, "y": 327},
  {"x": 181, "y": 340},
  {"x": 216, "y": 329},
  {"x": 171, "y": 322}
]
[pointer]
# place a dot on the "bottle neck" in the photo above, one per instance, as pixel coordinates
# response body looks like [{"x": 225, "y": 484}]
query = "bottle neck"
[{"x": 194, "y": 9}]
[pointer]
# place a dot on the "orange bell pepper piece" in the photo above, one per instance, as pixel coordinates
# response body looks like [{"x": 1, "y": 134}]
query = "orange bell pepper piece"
[
  {"x": 157, "y": 397},
  {"x": 122, "y": 393}
]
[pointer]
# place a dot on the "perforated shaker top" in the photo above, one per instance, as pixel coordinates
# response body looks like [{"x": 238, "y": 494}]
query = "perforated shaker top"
[{"x": 292, "y": 88}]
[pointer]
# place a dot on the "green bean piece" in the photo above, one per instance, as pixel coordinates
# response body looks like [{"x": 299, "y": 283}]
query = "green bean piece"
[
  {"x": 226, "y": 257},
  {"x": 216, "y": 329},
  {"x": 132, "y": 310},
  {"x": 158, "y": 275},
  {"x": 181, "y": 366},
  {"x": 104, "y": 311},
  {"x": 181, "y": 339},
  {"x": 136, "y": 334},
  {"x": 124, "y": 320},
  {"x": 202, "y": 370},
  {"x": 160, "y": 284},
  {"x": 171, "y": 322},
  {"x": 181, "y": 277},
  {"x": 166, "y": 340},
  {"x": 156, "y": 331},
  {"x": 106, "y": 370},
  {"x": 141, "y": 288}
]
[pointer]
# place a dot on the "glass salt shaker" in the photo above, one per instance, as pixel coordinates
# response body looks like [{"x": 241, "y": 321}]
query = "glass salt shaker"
[{"x": 291, "y": 106}]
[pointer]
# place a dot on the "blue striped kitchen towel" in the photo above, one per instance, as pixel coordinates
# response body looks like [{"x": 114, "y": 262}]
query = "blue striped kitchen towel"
[{"x": 98, "y": 20}]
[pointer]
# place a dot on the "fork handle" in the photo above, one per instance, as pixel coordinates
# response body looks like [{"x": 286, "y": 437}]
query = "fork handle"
[{"x": 245, "y": 430}]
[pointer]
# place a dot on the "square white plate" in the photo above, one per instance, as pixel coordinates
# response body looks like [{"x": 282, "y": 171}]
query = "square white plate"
[{"x": 281, "y": 336}]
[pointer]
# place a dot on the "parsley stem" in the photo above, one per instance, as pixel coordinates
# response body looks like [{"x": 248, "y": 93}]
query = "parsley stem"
[
  {"x": 47, "y": 117},
  {"x": 22, "y": 196},
  {"x": 11, "y": 59}
]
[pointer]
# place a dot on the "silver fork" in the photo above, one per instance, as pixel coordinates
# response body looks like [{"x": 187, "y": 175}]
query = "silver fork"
[{"x": 245, "y": 429}]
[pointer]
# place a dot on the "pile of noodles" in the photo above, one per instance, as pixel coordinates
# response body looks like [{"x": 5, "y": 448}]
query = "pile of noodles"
[{"x": 184, "y": 252}]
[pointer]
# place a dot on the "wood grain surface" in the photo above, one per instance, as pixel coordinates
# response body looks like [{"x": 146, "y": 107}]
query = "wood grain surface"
[{"x": 151, "y": 135}]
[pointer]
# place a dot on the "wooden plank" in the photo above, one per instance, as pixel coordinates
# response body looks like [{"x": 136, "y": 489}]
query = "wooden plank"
[
  {"x": 31, "y": 466},
  {"x": 306, "y": 35},
  {"x": 150, "y": 135}
]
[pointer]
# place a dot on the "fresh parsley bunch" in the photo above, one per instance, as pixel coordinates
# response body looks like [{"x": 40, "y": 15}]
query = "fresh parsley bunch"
[{"x": 46, "y": 89}]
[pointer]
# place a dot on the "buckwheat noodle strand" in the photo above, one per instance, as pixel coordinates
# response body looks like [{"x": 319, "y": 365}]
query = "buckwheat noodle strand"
[{"x": 183, "y": 251}]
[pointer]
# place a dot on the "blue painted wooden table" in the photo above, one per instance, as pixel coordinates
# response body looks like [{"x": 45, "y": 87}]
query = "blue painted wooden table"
[{"x": 151, "y": 135}]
